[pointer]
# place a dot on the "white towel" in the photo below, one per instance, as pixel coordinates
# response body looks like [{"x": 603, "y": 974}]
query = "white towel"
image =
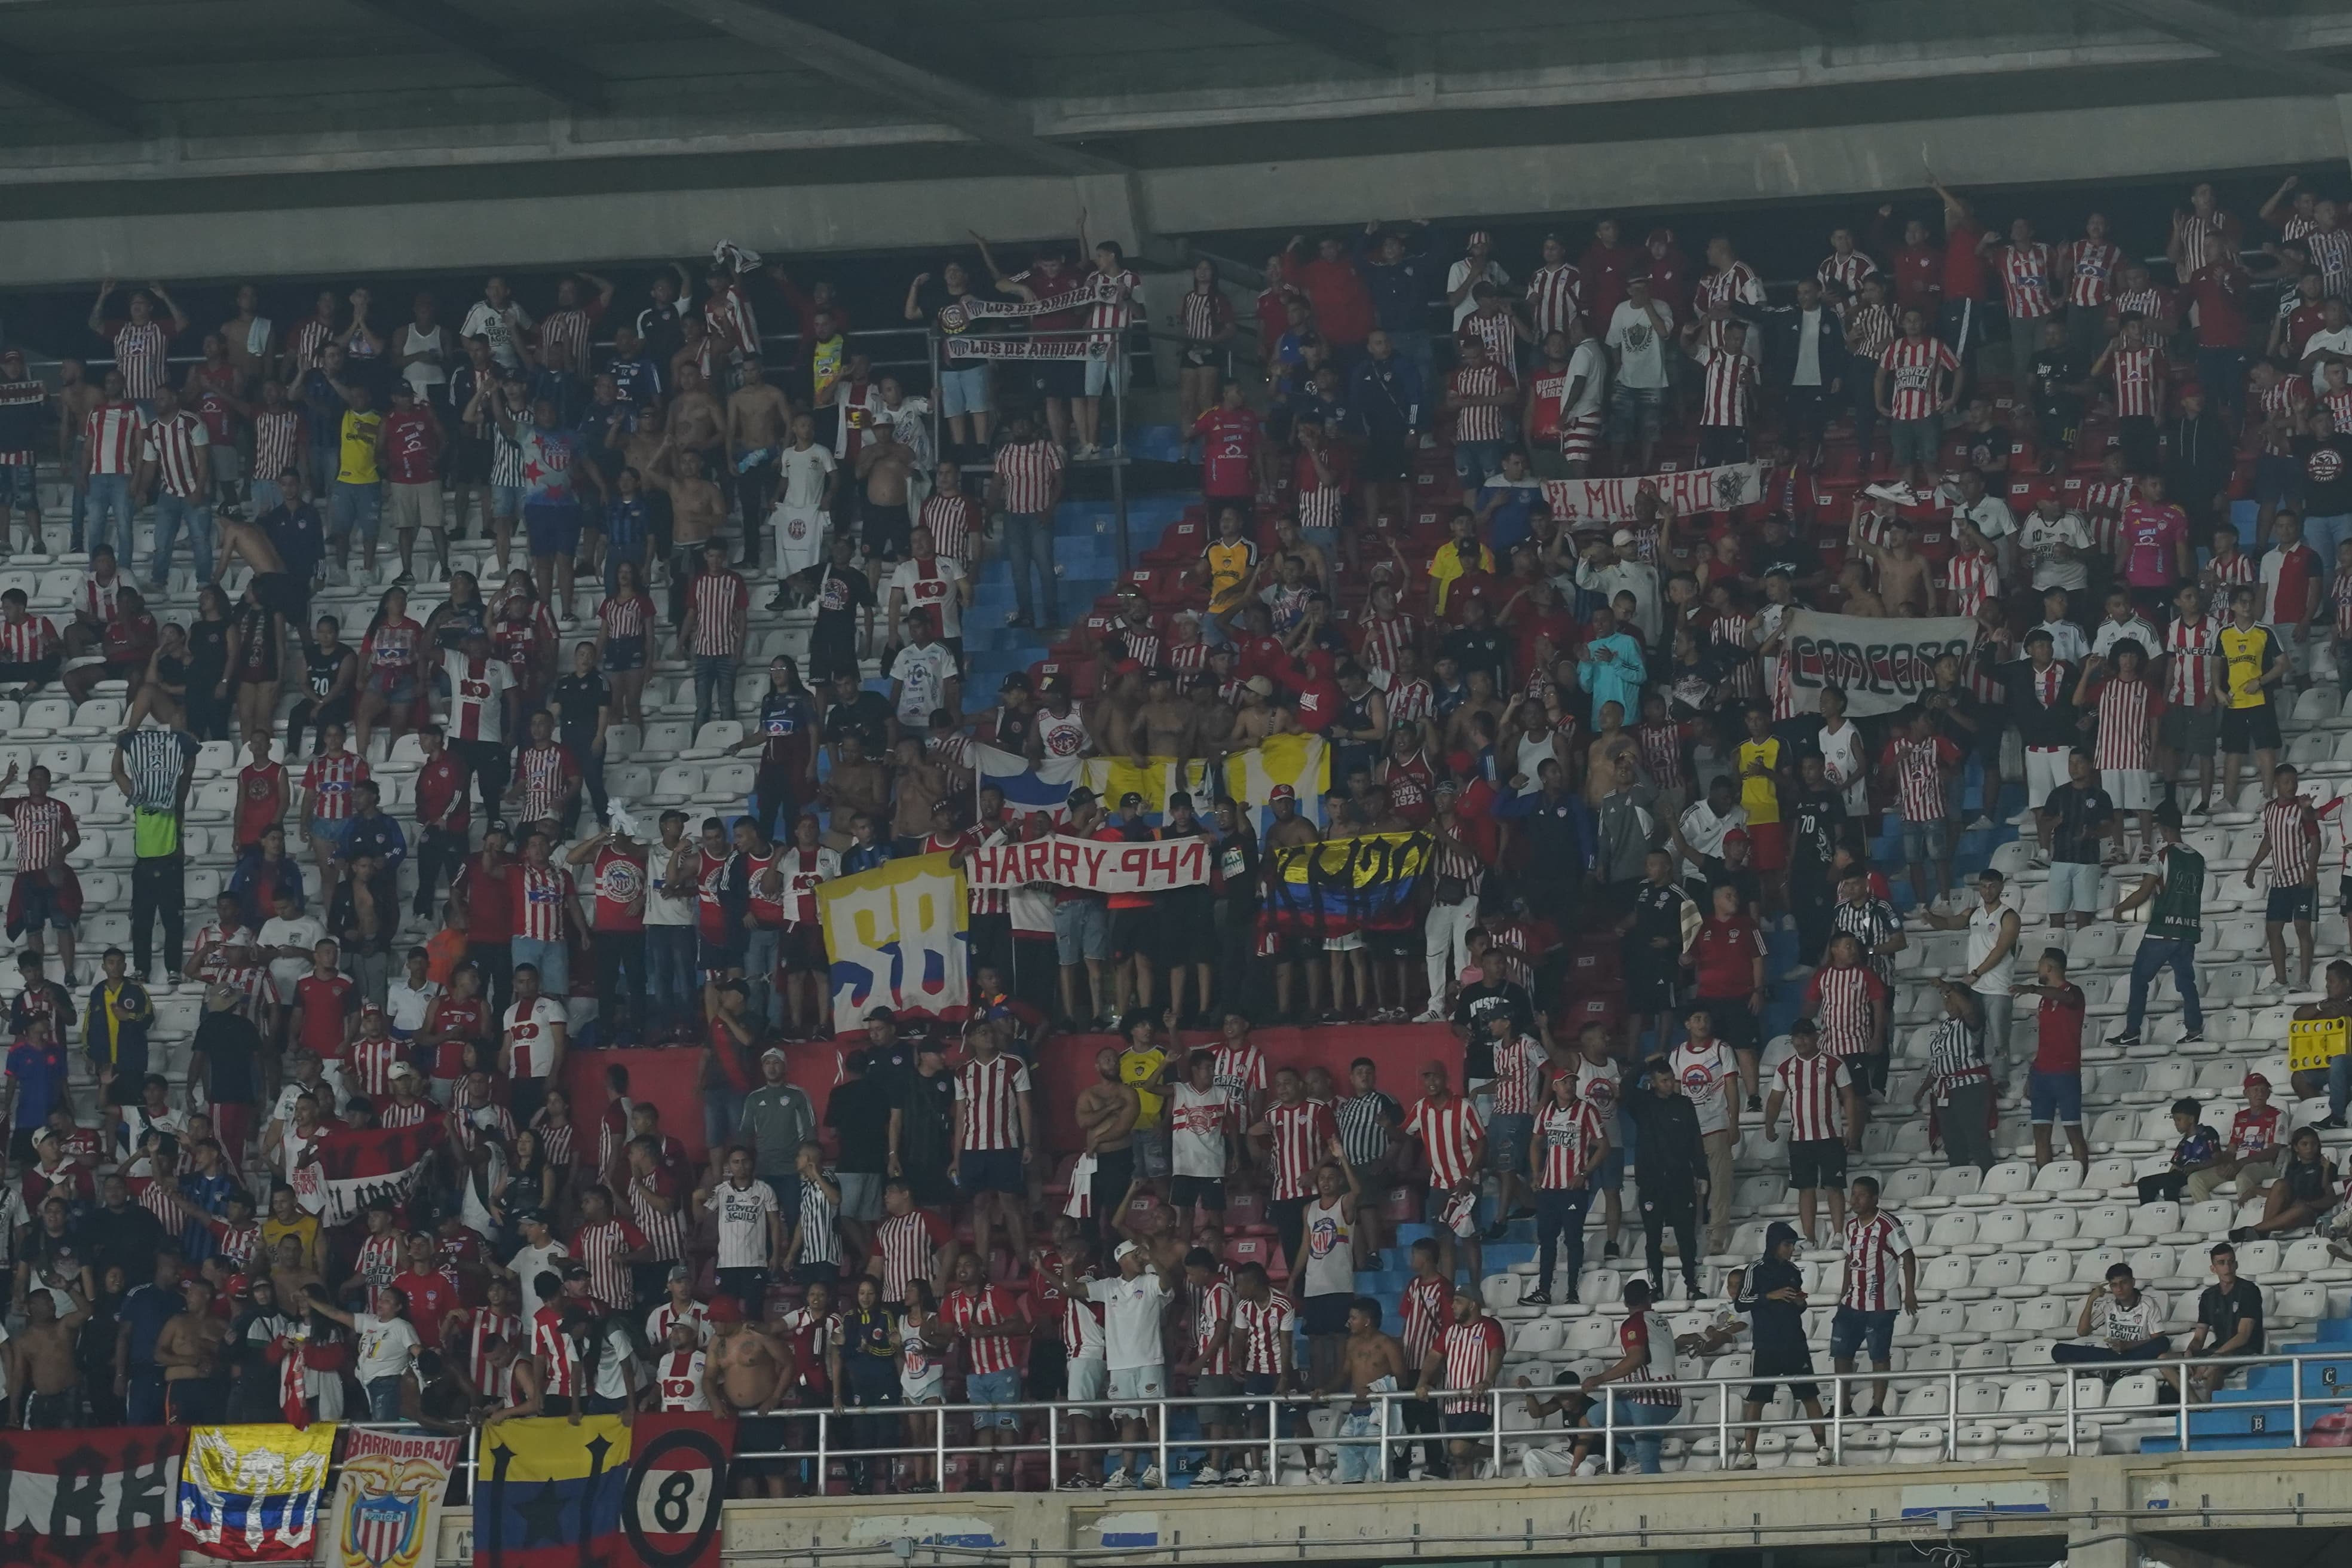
[
  {"x": 1082, "y": 1189},
  {"x": 256, "y": 336}
]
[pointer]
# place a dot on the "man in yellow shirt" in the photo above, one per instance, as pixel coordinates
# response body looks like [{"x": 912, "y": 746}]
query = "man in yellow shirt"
[
  {"x": 1762, "y": 756},
  {"x": 2251, "y": 666},
  {"x": 357, "y": 498}
]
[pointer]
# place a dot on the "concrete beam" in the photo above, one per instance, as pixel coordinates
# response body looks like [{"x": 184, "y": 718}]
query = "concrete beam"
[
  {"x": 1320, "y": 27},
  {"x": 468, "y": 37},
  {"x": 2240, "y": 40},
  {"x": 1833, "y": 16},
  {"x": 100, "y": 108},
  {"x": 982, "y": 116}
]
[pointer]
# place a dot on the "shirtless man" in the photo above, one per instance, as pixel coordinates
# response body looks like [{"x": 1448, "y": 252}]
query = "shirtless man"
[
  {"x": 1459, "y": 736},
  {"x": 1258, "y": 717},
  {"x": 1861, "y": 599},
  {"x": 250, "y": 339},
  {"x": 1902, "y": 570},
  {"x": 1106, "y": 1110},
  {"x": 289, "y": 1275},
  {"x": 189, "y": 1352},
  {"x": 1371, "y": 1362},
  {"x": 750, "y": 1371},
  {"x": 1111, "y": 717},
  {"x": 40, "y": 1358},
  {"x": 1212, "y": 720},
  {"x": 1600, "y": 757},
  {"x": 698, "y": 507},
  {"x": 757, "y": 418},
  {"x": 1164, "y": 726},
  {"x": 696, "y": 424},
  {"x": 885, "y": 462},
  {"x": 857, "y": 785}
]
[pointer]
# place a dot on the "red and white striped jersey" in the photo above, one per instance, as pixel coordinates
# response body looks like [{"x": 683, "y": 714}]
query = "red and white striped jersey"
[
  {"x": 378, "y": 1262},
  {"x": 540, "y": 894},
  {"x": 1204, "y": 315},
  {"x": 1238, "y": 1067},
  {"x": 2152, "y": 305},
  {"x": 732, "y": 323},
  {"x": 664, "y": 1230},
  {"x": 1973, "y": 578},
  {"x": 2342, "y": 594},
  {"x": 2103, "y": 504},
  {"x": 658, "y": 1320},
  {"x": 142, "y": 352},
  {"x": 1301, "y": 1134},
  {"x": 399, "y": 1114},
  {"x": 722, "y": 602},
  {"x": 1839, "y": 1001},
  {"x": 1872, "y": 1275},
  {"x": 1869, "y": 329},
  {"x": 1913, "y": 366},
  {"x": 567, "y": 330},
  {"x": 177, "y": 448},
  {"x": 308, "y": 345},
  {"x": 2125, "y": 708},
  {"x": 2238, "y": 571},
  {"x": 1566, "y": 1135},
  {"x": 494, "y": 1381},
  {"x": 1846, "y": 271},
  {"x": 1082, "y": 1329},
  {"x": 2289, "y": 396},
  {"x": 546, "y": 772},
  {"x": 1739, "y": 660},
  {"x": 1263, "y": 1328},
  {"x": 1919, "y": 776},
  {"x": 28, "y": 641},
  {"x": 113, "y": 434},
  {"x": 2218, "y": 226},
  {"x": 1450, "y": 1132},
  {"x": 1514, "y": 1085},
  {"x": 1649, "y": 1340},
  {"x": 2330, "y": 250},
  {"x": 1116, "y": 313},
  {"x": 2091, "y": 271},
  {"x": 2025, "y": 281},
  {"x": 1498, "y": 330},
  {"x": 1812, "y": 1086},
  {"x": 1322, "y": 506},
  {"x": 2138, "y": 372},
  {"x": 1481, "y": 422},
  {"x": 1382, "y": 637},
  {"x": 955, "y": 521},
  {"x": 1555, "y": 293},
  {"x": 990, "y": 1306},
  {"x": 551, "y": 1347},
  {"x": 368, "y": 1064},
  {"x": 910, "y": 1246},
  {"x": 1473, "y": 1352},
  {"x": 1729, "y": 385},
  {"x": 330, "y": 779},
  {"x": 40, "y": 826},
  {"x": 1026, "y": 472},
  {"x": 2339, "y": 407},
  {"x": 679, "y": 1375},
  {"x": 2293, "y": 829},
  {"x": 1421, "y": 1313},
  {"x": 1737, "y": 284},
  {"x": 600, "y": 1246},
  {"x": 1216, "y": 1308},
  {"x": 237, "y": 1242},
  {"x": 988, "y": 1099},
  {"x": 1410, "y": 701}
]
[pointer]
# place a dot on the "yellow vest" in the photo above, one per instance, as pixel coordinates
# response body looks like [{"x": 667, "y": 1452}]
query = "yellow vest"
[{"x": 2243, "y": 660}]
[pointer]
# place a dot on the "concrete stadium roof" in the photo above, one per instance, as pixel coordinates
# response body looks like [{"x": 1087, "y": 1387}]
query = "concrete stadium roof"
[{"x": 113, "y": 109}]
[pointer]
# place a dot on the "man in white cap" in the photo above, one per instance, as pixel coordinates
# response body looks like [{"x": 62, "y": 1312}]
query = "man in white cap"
[
  {"x": 1608, "y": 568},
  {"x": 1132, "y": 1304},
  {"x": 777, "y": 1119}
]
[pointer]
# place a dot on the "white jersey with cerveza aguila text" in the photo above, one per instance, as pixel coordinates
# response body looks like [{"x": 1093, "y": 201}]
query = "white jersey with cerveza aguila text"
[{"x": 742, "y": 1222}]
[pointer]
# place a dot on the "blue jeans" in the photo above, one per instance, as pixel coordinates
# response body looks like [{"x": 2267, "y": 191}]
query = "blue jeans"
[
  {"x": 110, "y": 498},
  {"x": 714, "y": 688},
  {"x": 552, "y": 960},
  {"x": 384, "y": 1399},
  {"x": 353, "y": 508},
  {"x": 1359, "y": 1447},
  {"x": 1029, "y": 546},
  {"x": 2339, "y": 1085},
  {"x": 1474, "y": 462},
  {"x": 2224, "y": 374},
  {"x": 722, "y": 1116},
  {"x": 2156, "y": 953},
  {"x": 2324, "y": 534},
  {"x": 171, "y": 511},
  {"x": 262, "y": 497},
  {"x": 1637, "y": 1423},
  {"x": 759, "y": 954},
  {"x": 670, "y": 972}
]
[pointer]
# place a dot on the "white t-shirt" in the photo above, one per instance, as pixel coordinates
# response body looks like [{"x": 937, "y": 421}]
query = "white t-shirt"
[
  {"x": 1703, "y": 831},
  {"x": 742, "y": 1223},
  {"x": 424, "y": 374},
  {"x": 1459, "y": 273},
  {"x": 386, "y": 1345},
  {"x": 528, "y": 1263},
  {"x": 2131, "y": 629},
  {"x": 1704, "y": 1075},
  {"x": 675, "y": 906},
  {"x": 935, "y": 590},
  {"x": 1641, "y": 348},
  {"x": 1589, "y": 360},
  {"x": 2338, "y": 342},
  {"x": 614, "y": 1362},
  {"x": 406, "y": 1005},
  {"x": 680, "y": 1378},
  {"x": 2042, "y": 536},
  {"x": 1131, "y": 1310},
  {"x": 801, "y": 476},
  {"x": 1984, "y": 935},
  {"x": 478, "y": 702},
  {"x": 486, "y": 321},
  {"x": 526, "y": 1025},
  {"x": 305, "y": 932},
  {"x": 1198, "y": 1129},
  {"x": 923, "y": 673},
  {"x": 1989, "y": 515}
]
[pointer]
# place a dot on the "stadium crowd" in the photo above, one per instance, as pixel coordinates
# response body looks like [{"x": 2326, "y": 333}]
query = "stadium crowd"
[{"x": 1596, "y": 726}]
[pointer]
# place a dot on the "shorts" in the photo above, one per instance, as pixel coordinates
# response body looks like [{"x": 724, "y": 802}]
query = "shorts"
[
  {"x": 1085, "y": 1377},
  {"x": 1474, "y": 462},
  {"x": 2190, "y": 731},
  {"x": 1652, "y": 988},
  {"x": 1061, "y": 378},
  {"x": 1767, "y": 846},
  {"x": 2248, "y": 730},
  {"x": 412, "y": 507},
  {"x": 1345, "y": 941},
  {"x": 1635, "y": 410},
  {"x": 469, "y": 462},
  {"x": 1734, "y": 1025},
  {"x": 1105, "y": 376},
  {"x": 993, "y": 1388},
  {"x": 1082, "y": 931},
  {"x": 931, "y": 1388},
  {"x": 17, "y": 483},
  {"x": 551, "y": 958},
  {"x": 1328, "y": 1313},
  {"x": 991, "y": 1171},
  {"x": 2075, "y": 887},
  {"x": 2297, "y": 904},
  {"x": 36, "y": 906},
  {"x": 1817, "y": 1164},
  {"x": 1134, "y": 1383},
  {"x": 2131, "y": 789},
  {"x": 1217, "y": 1385},
  {"x": 332, "y": 831},
  {"x": 553, "y": 529},
  {"x": 2054, "y": 1097},
  {"x": 861, "y": 1193},
  {"x": 801, "y": 950},
  {"x": 1776, "y": 1368},
  {"x": 1189, "y": 1193},
  {"x": 1188, "y": 930},
  {"x": 1152, "y": 1157},
  {"x": 1926, "y": 841},
  {"x": 717, "y": 962},
  {"x": 1915, "y": 441},
  {"x": 1580, "y": 437},
  {"x": 1507, "y": 1141},
  {"x": 2278, "y": 480},
  {"x": 1852, "y": 1329},
  {"x": 624, "y": 655},
  {"x": 506, "y": 502},
  {"x": 1609, "y": 1175},
  {"x": 397, "y": 688},
  {"x": 1130, "y": 932},
  {"x": 1384, "y": 461},
  {"x": 964, "y": 392},
  {"x": 1469, "y": 1421},
  {"x": 886, "y": 530}
]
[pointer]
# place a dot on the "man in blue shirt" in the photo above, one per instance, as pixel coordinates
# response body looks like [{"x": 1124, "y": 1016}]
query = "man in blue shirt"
[
  {"x": 143, "y": 1315},
  {"x": 294, "y": 532},
  {"x": 636, "y": 382},
  {"x": 371, "y": 832},
  {"x": 1402, "y": 284},
  {"x": 1385, "y": 399},
  {"x": 36, "y": 1080}
]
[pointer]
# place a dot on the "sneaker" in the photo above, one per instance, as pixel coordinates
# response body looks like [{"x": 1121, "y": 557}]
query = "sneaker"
[
  {"x": 1255, "y": 1478},
  {"x": 1743, "y": 1460},
  {"x": 1150, "y": 1479},
  {"x": 1498, "y": 1231},
  {"x": 405, "y": 580},
  {"x": 1822, "y": 1456},
  {"x": 2333, "y": 1124},
  {"x": 782, "y": 601},
  {"x": 1535, "y": 1299},
  {"x": 1435, "y": 1014},
  {"x": 1981, "y": 825},
  {"x": 2126, "y": 1041},
  {"x": 1589, "y": 1467},
  {"x": 1117, "y": 1481},
  {"x": 1756, "y": 1103},
  {"x": 1609, "y": 1253},
  {"x": 2276, "y": 985},
  {"x": 1076, "y": 1484},
  {"x": 2242, "y": 1232},
  {"x": 1572, "y": 1298},
  {"x": 1208, "y": 1476},
  {"x": 1373, "y": 1263}
]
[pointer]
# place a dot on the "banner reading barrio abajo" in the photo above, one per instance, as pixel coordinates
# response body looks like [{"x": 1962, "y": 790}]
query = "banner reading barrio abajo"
[
  {"x": 1883, "y": 665},
  {"x": 388, "y": 1500},
  {"x": 1099, "y": 867}
]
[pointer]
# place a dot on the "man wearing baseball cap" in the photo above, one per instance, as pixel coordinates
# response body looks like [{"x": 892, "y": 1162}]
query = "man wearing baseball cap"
[{"x": 1291, "y": 831}]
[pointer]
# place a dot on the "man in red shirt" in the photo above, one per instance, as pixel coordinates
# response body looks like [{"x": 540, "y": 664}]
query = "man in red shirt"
[
  {"x": 431, "y": 1288},
  {"x": 1961, "y": 324},
  {"x": 1232, "y": 450},
  {"x": 443, "y": 818},
  {"x": 409, "y": 446},
  {"x": 2218, "y": 284},
  {"x": 481, "y": 893},
  {"x": 1343, "y": 304},
  {"x": 1731, "y": 986}
]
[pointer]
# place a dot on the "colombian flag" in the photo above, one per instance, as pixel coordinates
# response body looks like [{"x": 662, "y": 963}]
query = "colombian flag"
[{"x": 548, "y": 1493}]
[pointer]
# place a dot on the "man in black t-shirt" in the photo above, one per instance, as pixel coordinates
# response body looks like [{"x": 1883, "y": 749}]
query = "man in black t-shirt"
[
  {"x": 854, "y": 711},
  {"x": 2228, "y": 1322},
  {"x": 1814, "y": 814},
  {"x": 841, "y": 594},
  {"x": 2059, "y": 380},
  {"x": 858, "y": 1112},
  {"x": 1782, "y": 549},
  {"x": 1478, "y": 1002},
  {"x": 2074, "y": 822},
  {"x": 581, "y": 701},
  {"x": 1664, "y": 922}
]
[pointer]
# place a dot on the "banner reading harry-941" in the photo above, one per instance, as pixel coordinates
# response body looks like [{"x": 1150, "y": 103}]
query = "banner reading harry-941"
[{"x": 1883, "y": 665}]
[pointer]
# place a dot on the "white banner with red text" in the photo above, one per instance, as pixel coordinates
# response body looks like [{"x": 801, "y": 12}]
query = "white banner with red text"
[
  {"x": 1883, "y": 666},
  {"x": 1095, "y": 865},
  {"x": 1685, "y": 491},
  {"x": 1097, "y": 347}
]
